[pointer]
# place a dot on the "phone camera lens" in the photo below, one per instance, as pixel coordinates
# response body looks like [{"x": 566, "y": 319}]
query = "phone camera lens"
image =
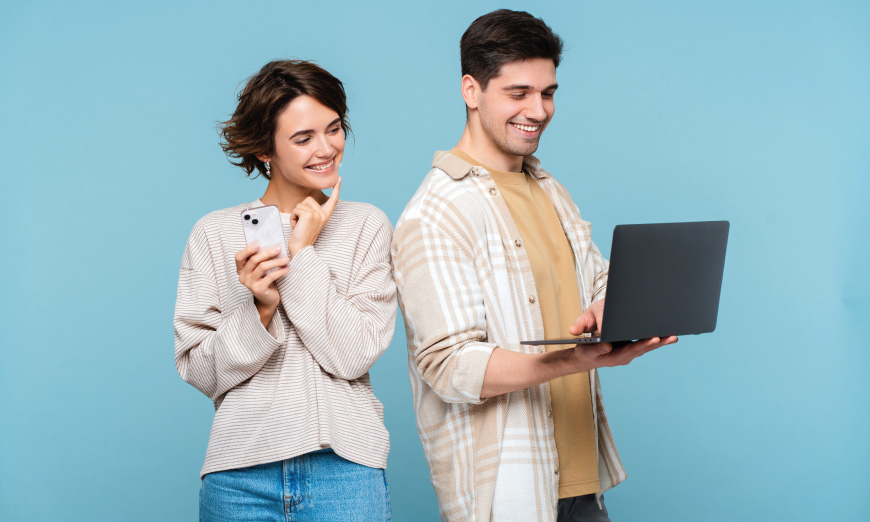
[
  {"x": 254, "y": 222},
  {"x": 247, "y": 216}
]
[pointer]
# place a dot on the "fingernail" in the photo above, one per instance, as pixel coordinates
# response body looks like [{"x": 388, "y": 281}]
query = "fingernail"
[{"x": 276, "y": 249}]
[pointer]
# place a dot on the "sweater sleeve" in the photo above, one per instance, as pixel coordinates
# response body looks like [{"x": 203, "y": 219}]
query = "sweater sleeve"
[
  {"x": 217, "y": 347},
  {"x": 345, "y": 331}
]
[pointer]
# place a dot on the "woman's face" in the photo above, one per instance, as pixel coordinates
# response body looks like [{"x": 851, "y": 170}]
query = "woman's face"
[{"x": 309, "y": 143}]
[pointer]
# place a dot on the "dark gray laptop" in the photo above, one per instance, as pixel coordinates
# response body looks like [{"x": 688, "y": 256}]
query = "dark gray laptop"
[{"x": 664, "y": 279}]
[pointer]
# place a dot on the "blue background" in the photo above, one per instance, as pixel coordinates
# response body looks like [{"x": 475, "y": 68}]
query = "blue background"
[{"x": 756, "y": 112}]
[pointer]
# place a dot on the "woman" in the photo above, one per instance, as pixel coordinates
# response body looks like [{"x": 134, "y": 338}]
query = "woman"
[{"x": 285, "y": 354}]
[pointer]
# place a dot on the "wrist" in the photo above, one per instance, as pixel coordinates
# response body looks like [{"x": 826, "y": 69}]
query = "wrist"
[
  {"x": 566, "y": 362},
  {"x": 265, "y": 311},
  {"x": 293, "y": 249}
]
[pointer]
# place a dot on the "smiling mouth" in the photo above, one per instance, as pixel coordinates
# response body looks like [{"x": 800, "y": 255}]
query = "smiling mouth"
[
  {"x": 320, "y": 167},
  {"x": 527, "y": 128}
]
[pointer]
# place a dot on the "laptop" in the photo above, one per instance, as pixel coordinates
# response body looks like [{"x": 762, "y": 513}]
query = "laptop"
[{"x": 664, "y": 279}]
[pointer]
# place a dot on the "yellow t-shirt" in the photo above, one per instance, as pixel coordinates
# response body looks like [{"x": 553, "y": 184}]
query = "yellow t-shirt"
[{"x": 558, "y": 295}]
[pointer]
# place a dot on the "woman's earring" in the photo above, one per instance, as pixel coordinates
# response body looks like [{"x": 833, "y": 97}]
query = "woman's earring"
[{"x": 268, "y": 170}]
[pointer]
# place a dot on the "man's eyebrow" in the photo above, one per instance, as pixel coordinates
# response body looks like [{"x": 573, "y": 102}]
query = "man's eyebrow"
[
  {"x": 311, "y": 131},
  {"x": 518, "y": 87}
]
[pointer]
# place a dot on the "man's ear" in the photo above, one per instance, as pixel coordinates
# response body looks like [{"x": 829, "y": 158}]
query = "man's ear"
[{"x": 470, "y": 91}]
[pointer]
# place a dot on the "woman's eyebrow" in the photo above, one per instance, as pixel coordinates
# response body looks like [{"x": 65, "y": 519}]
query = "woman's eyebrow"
[
  {"x": 311, "y": 131},
  {"x": 299, "y": 133}
]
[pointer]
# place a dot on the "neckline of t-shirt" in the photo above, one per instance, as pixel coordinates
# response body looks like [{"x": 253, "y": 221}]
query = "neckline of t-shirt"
[
  {"x": 502, "y": 177},
  {"x": 285, "y": 218}
]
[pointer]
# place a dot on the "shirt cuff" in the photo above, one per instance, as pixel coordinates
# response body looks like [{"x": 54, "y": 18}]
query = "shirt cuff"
[
  {"x": 470, "y": 370},
  {"x": 273, "y": 335}
]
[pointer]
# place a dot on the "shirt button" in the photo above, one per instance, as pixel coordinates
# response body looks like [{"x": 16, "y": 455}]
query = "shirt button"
[
  {"x": 518, "y": 242},
  {"x": 474, "y": 172},
  {"x": 532, "y": 299},
  {"x": 556, "y": 471},
  {"x": 549, "y": 413},
  {"x": 492, "y": 191}
]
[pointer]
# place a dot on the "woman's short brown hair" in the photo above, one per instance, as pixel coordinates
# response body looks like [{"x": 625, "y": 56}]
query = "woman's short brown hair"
[{"x": 250, "y": 132}]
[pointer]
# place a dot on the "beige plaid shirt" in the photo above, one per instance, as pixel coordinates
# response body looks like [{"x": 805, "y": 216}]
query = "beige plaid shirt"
[{"x": 466, "y": 286}]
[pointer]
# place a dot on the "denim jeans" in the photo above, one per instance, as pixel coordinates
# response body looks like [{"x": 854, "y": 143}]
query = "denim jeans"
[{"x": 317, "y": 486}]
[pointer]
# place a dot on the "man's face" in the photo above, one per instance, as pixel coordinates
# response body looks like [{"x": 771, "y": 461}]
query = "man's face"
[{"x": 518, "y": 104}]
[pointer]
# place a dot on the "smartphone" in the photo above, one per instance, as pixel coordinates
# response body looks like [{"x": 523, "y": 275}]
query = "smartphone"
[{"x": 263, "y": 225}]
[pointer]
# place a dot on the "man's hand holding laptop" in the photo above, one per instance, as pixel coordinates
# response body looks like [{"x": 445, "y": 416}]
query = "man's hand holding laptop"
[{"x": 603, "y": 354}]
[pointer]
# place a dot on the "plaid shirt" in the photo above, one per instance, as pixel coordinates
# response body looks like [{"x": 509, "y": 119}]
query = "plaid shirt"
[{"x": 466, "y": 286}]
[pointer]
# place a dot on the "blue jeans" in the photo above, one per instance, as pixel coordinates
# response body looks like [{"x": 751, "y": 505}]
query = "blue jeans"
[{"x": 317, "y": 486}]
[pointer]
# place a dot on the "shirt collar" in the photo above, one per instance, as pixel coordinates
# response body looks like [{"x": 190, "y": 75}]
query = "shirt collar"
[{"x": 458, "y": 168}]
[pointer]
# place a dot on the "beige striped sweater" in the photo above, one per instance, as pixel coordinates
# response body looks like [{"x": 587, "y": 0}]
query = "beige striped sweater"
[{"x": 303, "y": 383}]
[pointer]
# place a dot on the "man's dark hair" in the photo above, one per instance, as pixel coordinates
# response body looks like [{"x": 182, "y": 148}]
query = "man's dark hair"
[
  {"x": 251, "y": 130},
  {"x": 502, "y": 37}
]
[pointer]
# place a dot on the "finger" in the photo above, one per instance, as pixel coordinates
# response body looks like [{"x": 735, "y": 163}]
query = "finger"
[
  {"x": 578, "y": 326},
  {"x": 594, "y": 351},
  {"x": 603, "y": 348},
  {"x": 261, "y": 286},
  {"x": 664, "y": 341},
  {"x": 266, "y": 253},
  {"x": 330, "y": 204},
  {"x": 598, "y": 313},
  {"x": 633, "y": 350},
  {"x": 265, "y": 266},
  {"x": 297, "y": 220},
  {"x": 253, "y": 261},
  {"x": 243, "y": 255},
  {"x": 584, "y": 323},
  {"x": 645, "y": 346},
  {"x": 301, "y": 213},
  {"x": 314, "y": 207},
  {"x": 300, "y": 209},
  {"x": 636, "y": 349},
  {"x": 652, "y": 344},
  {"x": 271, "y": 277}
]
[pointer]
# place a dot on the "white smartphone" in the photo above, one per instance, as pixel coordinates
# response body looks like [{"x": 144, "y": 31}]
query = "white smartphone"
[{"x": 263, "y": 225}]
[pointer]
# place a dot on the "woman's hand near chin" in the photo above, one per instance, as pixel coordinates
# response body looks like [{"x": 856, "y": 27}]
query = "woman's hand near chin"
[
  {"x": 308, "y": 219},
  {"x": 252, "y": 267}
]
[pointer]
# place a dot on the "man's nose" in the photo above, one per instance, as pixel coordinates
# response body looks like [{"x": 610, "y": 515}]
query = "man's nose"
[{"x": 535, "y": 109}]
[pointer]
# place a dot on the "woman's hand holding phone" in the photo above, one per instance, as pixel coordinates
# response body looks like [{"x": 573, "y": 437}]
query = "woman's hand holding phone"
[
  {"x": 252, "y": 267},
  {"x": 309, "y": 218}
]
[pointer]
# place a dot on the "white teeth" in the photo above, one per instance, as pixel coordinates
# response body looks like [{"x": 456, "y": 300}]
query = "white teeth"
[
  {"x": 527, "y": 128},
  {"x": 322, "y": 167}
]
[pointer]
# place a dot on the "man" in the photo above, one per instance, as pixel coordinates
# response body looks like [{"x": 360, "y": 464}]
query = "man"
[{"x": 490, "y": 251}]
